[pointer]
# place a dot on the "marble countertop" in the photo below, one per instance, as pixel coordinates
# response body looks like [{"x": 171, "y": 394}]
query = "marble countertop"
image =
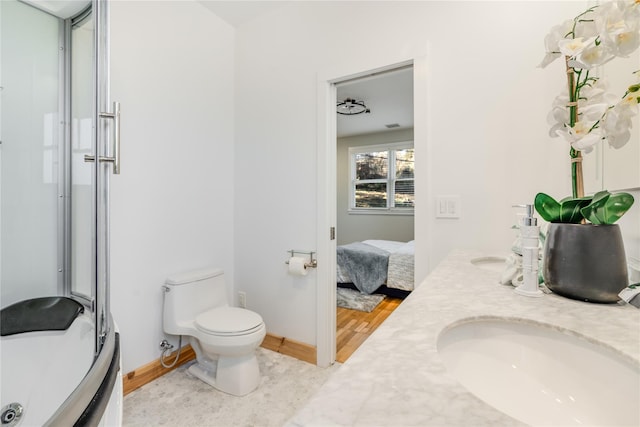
[{"x": 397, "y": 377}]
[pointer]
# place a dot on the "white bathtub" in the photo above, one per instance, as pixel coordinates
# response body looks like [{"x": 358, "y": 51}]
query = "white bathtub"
[{"x": 40, "y": 370}]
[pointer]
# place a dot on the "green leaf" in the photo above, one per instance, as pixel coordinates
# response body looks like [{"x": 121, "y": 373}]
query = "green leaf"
[
  {"x": 599, "y": 200},
  {"x": 547, "y": 207},
  {"x": 633, "y": 88},
  {"x": 570, "y": 209},
  {"x": 607, "y": 208},
  {"x": 567, "y": 210}
]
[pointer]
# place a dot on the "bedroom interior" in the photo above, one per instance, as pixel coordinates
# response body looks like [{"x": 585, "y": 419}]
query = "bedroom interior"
[{"x": 374, "y": 229}]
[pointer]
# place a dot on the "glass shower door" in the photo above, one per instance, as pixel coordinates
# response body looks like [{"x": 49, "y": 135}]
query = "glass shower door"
[
  {"x": 92, "y": 130},
  {"x": 81, "y": 222},
  {"x": 107, "y": 161}
]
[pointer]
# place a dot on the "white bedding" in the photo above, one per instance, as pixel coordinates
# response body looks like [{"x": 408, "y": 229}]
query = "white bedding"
[
  {"x": 401, "y": 264},
  {"x": 401, "y": 267}
]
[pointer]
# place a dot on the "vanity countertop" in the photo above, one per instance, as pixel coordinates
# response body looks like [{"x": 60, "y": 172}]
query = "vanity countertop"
[{"x": 397, "y": 378}]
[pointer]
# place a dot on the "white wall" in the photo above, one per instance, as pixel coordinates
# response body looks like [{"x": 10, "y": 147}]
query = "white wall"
[
  {"x": 357, "y": 227},
  {"x": 487, "y": 130},
  {"x": 172, "y": 206},
  {"x": 201, "y": 185}
]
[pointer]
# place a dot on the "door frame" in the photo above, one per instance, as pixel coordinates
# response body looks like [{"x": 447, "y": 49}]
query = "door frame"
[{"x": 327, "y": 191}]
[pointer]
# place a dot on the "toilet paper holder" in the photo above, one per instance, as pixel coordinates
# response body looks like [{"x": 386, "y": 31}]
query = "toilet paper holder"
[{"x": 313, "y": 263}]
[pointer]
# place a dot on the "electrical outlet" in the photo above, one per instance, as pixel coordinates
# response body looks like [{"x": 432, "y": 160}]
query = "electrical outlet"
[{"x": 242, "y": 299}]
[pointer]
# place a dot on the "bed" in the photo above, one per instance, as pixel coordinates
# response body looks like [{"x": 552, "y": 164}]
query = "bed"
[{"x": 371, "y": 264}]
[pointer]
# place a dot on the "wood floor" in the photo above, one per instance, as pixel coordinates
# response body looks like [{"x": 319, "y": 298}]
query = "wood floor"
[{"x": 354, "y": 327}]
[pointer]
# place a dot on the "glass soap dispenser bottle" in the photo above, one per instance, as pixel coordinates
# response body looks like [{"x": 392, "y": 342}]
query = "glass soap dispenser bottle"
[{"x": 529, "y": 232}]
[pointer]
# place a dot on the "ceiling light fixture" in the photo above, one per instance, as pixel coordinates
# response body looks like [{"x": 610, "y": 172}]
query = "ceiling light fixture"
[{"x": 350, "y": 107}]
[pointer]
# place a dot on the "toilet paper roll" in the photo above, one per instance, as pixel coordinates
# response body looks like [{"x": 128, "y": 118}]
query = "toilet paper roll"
[{"x": 296, "y": 266}]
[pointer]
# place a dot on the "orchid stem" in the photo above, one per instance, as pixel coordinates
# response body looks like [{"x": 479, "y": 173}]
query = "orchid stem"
[{"x": 577, "y": 181}]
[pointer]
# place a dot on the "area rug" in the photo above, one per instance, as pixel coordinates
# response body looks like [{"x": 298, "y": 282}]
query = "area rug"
[{"x": 355, "y": 300}]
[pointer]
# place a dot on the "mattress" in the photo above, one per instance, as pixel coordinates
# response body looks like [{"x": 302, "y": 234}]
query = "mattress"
[
  {"x": 400, "y": 274},
  {"x": 401, "y": 267}
]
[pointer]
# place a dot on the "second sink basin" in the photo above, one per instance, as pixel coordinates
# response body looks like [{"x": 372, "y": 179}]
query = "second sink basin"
[
  {"x": 491, "y": 263},
  {"x": 541, "y": 375}
]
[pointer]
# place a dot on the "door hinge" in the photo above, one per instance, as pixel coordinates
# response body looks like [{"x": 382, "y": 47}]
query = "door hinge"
[{"x": 332, "y": 233}]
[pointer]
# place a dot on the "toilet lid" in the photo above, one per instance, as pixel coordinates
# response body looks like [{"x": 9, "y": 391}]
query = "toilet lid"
[{"x": 228, "y": 321}]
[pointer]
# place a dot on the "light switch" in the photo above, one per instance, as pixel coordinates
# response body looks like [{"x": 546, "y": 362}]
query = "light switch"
[
  {"x": 447, "y": 206},
  {"x": 442, "y": 207}
]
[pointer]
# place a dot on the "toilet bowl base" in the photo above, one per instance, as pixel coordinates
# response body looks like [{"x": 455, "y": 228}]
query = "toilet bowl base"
[{"x": 238, "y": 375}]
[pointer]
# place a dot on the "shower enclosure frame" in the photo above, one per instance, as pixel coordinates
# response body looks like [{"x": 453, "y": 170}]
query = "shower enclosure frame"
[
  {"x": 88, "y": 401},
  {"x": 98, "y": 302}
]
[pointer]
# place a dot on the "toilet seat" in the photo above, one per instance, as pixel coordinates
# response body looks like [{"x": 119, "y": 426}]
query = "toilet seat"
[{"x": 228, "y": 321}]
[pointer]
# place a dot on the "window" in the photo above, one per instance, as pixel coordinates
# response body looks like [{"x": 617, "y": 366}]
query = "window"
[{"x": 382, "y": 178}]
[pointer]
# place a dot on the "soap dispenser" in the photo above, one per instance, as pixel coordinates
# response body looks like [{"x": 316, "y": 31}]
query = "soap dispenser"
[{"x": 529, "y": 232}]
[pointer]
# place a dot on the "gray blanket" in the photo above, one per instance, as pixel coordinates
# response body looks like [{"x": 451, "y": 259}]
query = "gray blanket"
[{"x": 365, "y": 264}]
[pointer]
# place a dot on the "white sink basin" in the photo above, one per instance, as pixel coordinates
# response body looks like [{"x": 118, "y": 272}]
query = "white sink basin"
[
  {"x": 541, "y": 375},
  {"x": 491, "y": 263}
]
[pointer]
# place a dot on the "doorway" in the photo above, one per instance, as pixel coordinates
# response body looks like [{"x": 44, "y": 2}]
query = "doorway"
[
  {"x": 375, "y": 195},
  {"x": 326, "y": 185}
]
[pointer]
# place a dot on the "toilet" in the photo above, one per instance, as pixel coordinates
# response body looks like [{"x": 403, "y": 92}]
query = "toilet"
[{"x": 224, "y": 338}]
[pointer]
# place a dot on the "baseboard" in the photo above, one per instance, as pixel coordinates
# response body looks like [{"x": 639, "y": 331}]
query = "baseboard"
[
  {"x": 152, "y": 370},
  {"x": 301, "y": 351},
  {"x": 149, "y": 372}
]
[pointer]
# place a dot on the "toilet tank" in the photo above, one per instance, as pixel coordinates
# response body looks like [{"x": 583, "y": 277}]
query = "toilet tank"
[{"x": 189, "y": 294}]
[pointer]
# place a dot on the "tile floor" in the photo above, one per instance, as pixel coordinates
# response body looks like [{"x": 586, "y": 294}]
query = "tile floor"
[{"x": 179, "y": 400}]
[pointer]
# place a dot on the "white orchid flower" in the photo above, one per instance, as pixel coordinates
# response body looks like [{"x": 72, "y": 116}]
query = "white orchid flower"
[
  {"x": 595, "y": 91},
  {"x": 586, "y": 27},
  {"x": 587, "y": 143},
  {"x": 556, "y": 130},
  {"x": 561, "y": 100},
  {"x": 616, "y": 125},
  {"x": 551, "y": 40},
  {"x": 625, "y": 43},
  {"x": 592, "y": 39},
  {"x": 574, "y": 47},
  {"x": 618, "y": 118},
  {"x": 559, "y": 115},
  {"x": 582, "y": 137},
  {"x": 593, "y": 112},
  {"x": 594, "y": 55},
  {"x": 549, "y": 58},
  {"x": 574, "y": 63},
  {"x": 630, "y": 99},
  {"x": 619, "y": 140},
  {"x": 618, "y": 24},
  {"x": 557, "y": 120}
]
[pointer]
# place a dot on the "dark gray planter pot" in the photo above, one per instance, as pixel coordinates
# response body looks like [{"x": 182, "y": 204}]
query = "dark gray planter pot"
[{"x": 585, "y": 262}]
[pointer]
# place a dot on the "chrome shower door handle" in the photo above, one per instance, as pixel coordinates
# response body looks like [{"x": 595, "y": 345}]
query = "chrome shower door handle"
[{"x": 115, "y": 160}]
